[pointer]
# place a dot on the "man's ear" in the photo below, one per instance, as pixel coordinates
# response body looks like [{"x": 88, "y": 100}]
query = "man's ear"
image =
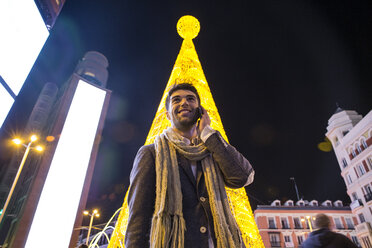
[{"x": 168, "y": 115}]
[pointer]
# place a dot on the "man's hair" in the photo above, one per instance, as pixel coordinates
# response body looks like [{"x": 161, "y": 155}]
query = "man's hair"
[
  {"x": 181, "y": 86},
  {"x": 322, "y": 221}
]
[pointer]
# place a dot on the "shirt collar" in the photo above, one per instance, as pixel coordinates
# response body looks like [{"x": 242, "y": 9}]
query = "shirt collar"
[{"x": 194, "y": 141}]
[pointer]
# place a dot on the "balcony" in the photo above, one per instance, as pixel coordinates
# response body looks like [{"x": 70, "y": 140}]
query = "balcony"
[
  {"x": 364, "y": 227},
  {"x": 275, "y": 244},
  {"x": 368, "y": 197},
  {"x": 272, "y": 226},
  {"x": 285, "y": 226},
  {"x": 289, "y": 244},
  {"x": 355, "y": 204},
  {"x": 298, "y": 227}
]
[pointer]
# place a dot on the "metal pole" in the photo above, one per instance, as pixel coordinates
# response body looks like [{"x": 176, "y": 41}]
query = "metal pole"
[
  {"x": 15, "y": 180},
  {"x": 90, "y": 227},
  {"x": 298, "y": 197},
  {"x": 308, "y": 219}
]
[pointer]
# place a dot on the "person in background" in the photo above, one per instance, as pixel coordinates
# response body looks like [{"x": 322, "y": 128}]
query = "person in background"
[{"x": 323, "y": 237}]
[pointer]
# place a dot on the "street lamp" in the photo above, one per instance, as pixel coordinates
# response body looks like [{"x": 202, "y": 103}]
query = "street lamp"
[
  {"x": 17, "y": 141},
  {"x": 95, "y": 213},
  {"x": 308, "y": 221}
]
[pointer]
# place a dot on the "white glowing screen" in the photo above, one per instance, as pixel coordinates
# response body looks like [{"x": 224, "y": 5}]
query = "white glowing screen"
[
  {"x": 22, "y": 36},
  {"x": 55, "y": 214},
  {"x": 6, "y": 102}
]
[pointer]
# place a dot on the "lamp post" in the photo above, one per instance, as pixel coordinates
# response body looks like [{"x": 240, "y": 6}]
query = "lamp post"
[
  {"x": 17, "y": 141},
  {"x": 308, "y": 221},
  {"x": 95, "y": 213},
  {"x": 293, "y": 179}
]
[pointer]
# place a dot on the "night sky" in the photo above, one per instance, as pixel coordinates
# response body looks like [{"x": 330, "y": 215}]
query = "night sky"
[{"x": 276, "y": 70}]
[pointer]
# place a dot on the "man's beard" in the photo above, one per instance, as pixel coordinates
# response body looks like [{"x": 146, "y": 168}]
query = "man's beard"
[{"x": 186, "y": 123}]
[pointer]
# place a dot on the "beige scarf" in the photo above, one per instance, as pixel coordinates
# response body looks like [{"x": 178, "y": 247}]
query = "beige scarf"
[{"x": 168, "y": 225}]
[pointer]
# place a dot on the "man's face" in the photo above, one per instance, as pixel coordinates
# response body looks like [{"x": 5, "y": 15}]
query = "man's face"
[{"x": 183, "y": 109}]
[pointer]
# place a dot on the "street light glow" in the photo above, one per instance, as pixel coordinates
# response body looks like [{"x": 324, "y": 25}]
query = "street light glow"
[
  {"x": 28, "y": 148},
  {"x": 33, "y": 138},
  {"x": 17, "y": 141},
  {"x": 39, "y": 148},
  {"x": 95, "y": 213},
  {"x": 50, "y": 138}
]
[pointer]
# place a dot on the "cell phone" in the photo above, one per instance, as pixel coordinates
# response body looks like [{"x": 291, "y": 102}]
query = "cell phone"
[{"x": 199, "y": 112}]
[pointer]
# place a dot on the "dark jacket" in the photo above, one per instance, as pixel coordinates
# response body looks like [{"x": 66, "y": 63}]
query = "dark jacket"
[
  {"x": 327, "y": 239},
  {"x": 195, "y": 203}
]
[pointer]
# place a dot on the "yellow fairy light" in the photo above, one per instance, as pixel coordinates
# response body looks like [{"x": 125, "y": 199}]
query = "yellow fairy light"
[{"x": 188, "y": 68}]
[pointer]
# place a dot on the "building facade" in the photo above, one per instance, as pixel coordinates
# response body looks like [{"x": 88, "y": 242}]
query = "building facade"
[
  {"x": 288, "y": 225},
  {"x": 351, "y": 138}
]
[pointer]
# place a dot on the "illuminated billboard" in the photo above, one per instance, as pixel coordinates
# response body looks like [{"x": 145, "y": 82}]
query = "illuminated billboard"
[
  {"x": 6, "y": 102},
  {"x": 23, "y": 34},
  {"x": 64, "y": 183}
]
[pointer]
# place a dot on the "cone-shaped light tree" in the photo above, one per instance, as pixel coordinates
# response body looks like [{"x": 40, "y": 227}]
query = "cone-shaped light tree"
[{"x": 188, "y": 67}]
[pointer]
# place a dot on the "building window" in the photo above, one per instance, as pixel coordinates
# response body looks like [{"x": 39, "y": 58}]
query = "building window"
[
  {"x": 349, "y": 223},
  {"x": 272, "y": 223},
  {"x": 361, "y": 218},
  {"x": 358, "y": 148},
  {"x": 274, "y": 239},
  {"x": 361, "y": 170},
  {"x": 297, "y": 223},
  {"x": 364, "y": 143},
  {"x": 284, "y": 223},
  {"x": 367, "y": 242},
  {"x": 300, "y": 239},
  {"x": 369, "y": 162},
  {"x": 344, "y": 163},
  {"x": 354, "y": 196},
  {"x": 353, "y": 153},
  {"x": 338, "y": 223},
  {"x": 348, "y": 179},
  {"x": 355, "y": 240},
  {"x": 287, "y": 239},
  {"x": 368, "y": 190}
]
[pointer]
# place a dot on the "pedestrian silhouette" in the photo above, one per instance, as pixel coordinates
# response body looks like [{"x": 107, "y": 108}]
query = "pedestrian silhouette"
[{"x": 323, "y": 237}]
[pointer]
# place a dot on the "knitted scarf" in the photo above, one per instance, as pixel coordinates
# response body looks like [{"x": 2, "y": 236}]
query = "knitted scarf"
[{"x": 168, "y": 225}]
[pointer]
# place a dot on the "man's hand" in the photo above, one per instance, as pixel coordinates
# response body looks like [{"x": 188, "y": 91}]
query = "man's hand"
[{"x": 204, "y": 120}]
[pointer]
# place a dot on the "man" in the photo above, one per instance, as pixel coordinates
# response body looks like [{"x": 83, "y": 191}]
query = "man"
[
  {"x": 177, "y": 196},
  {"x": 324, "y": 237}
]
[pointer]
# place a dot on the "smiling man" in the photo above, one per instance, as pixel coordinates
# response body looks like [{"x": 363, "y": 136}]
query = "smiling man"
[{"x": 177, "y": 196}]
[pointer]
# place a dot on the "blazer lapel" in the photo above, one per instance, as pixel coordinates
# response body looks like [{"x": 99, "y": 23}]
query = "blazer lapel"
[
  {"x": 199, "y": 172},
  {"x": 185, "y": 165}
]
